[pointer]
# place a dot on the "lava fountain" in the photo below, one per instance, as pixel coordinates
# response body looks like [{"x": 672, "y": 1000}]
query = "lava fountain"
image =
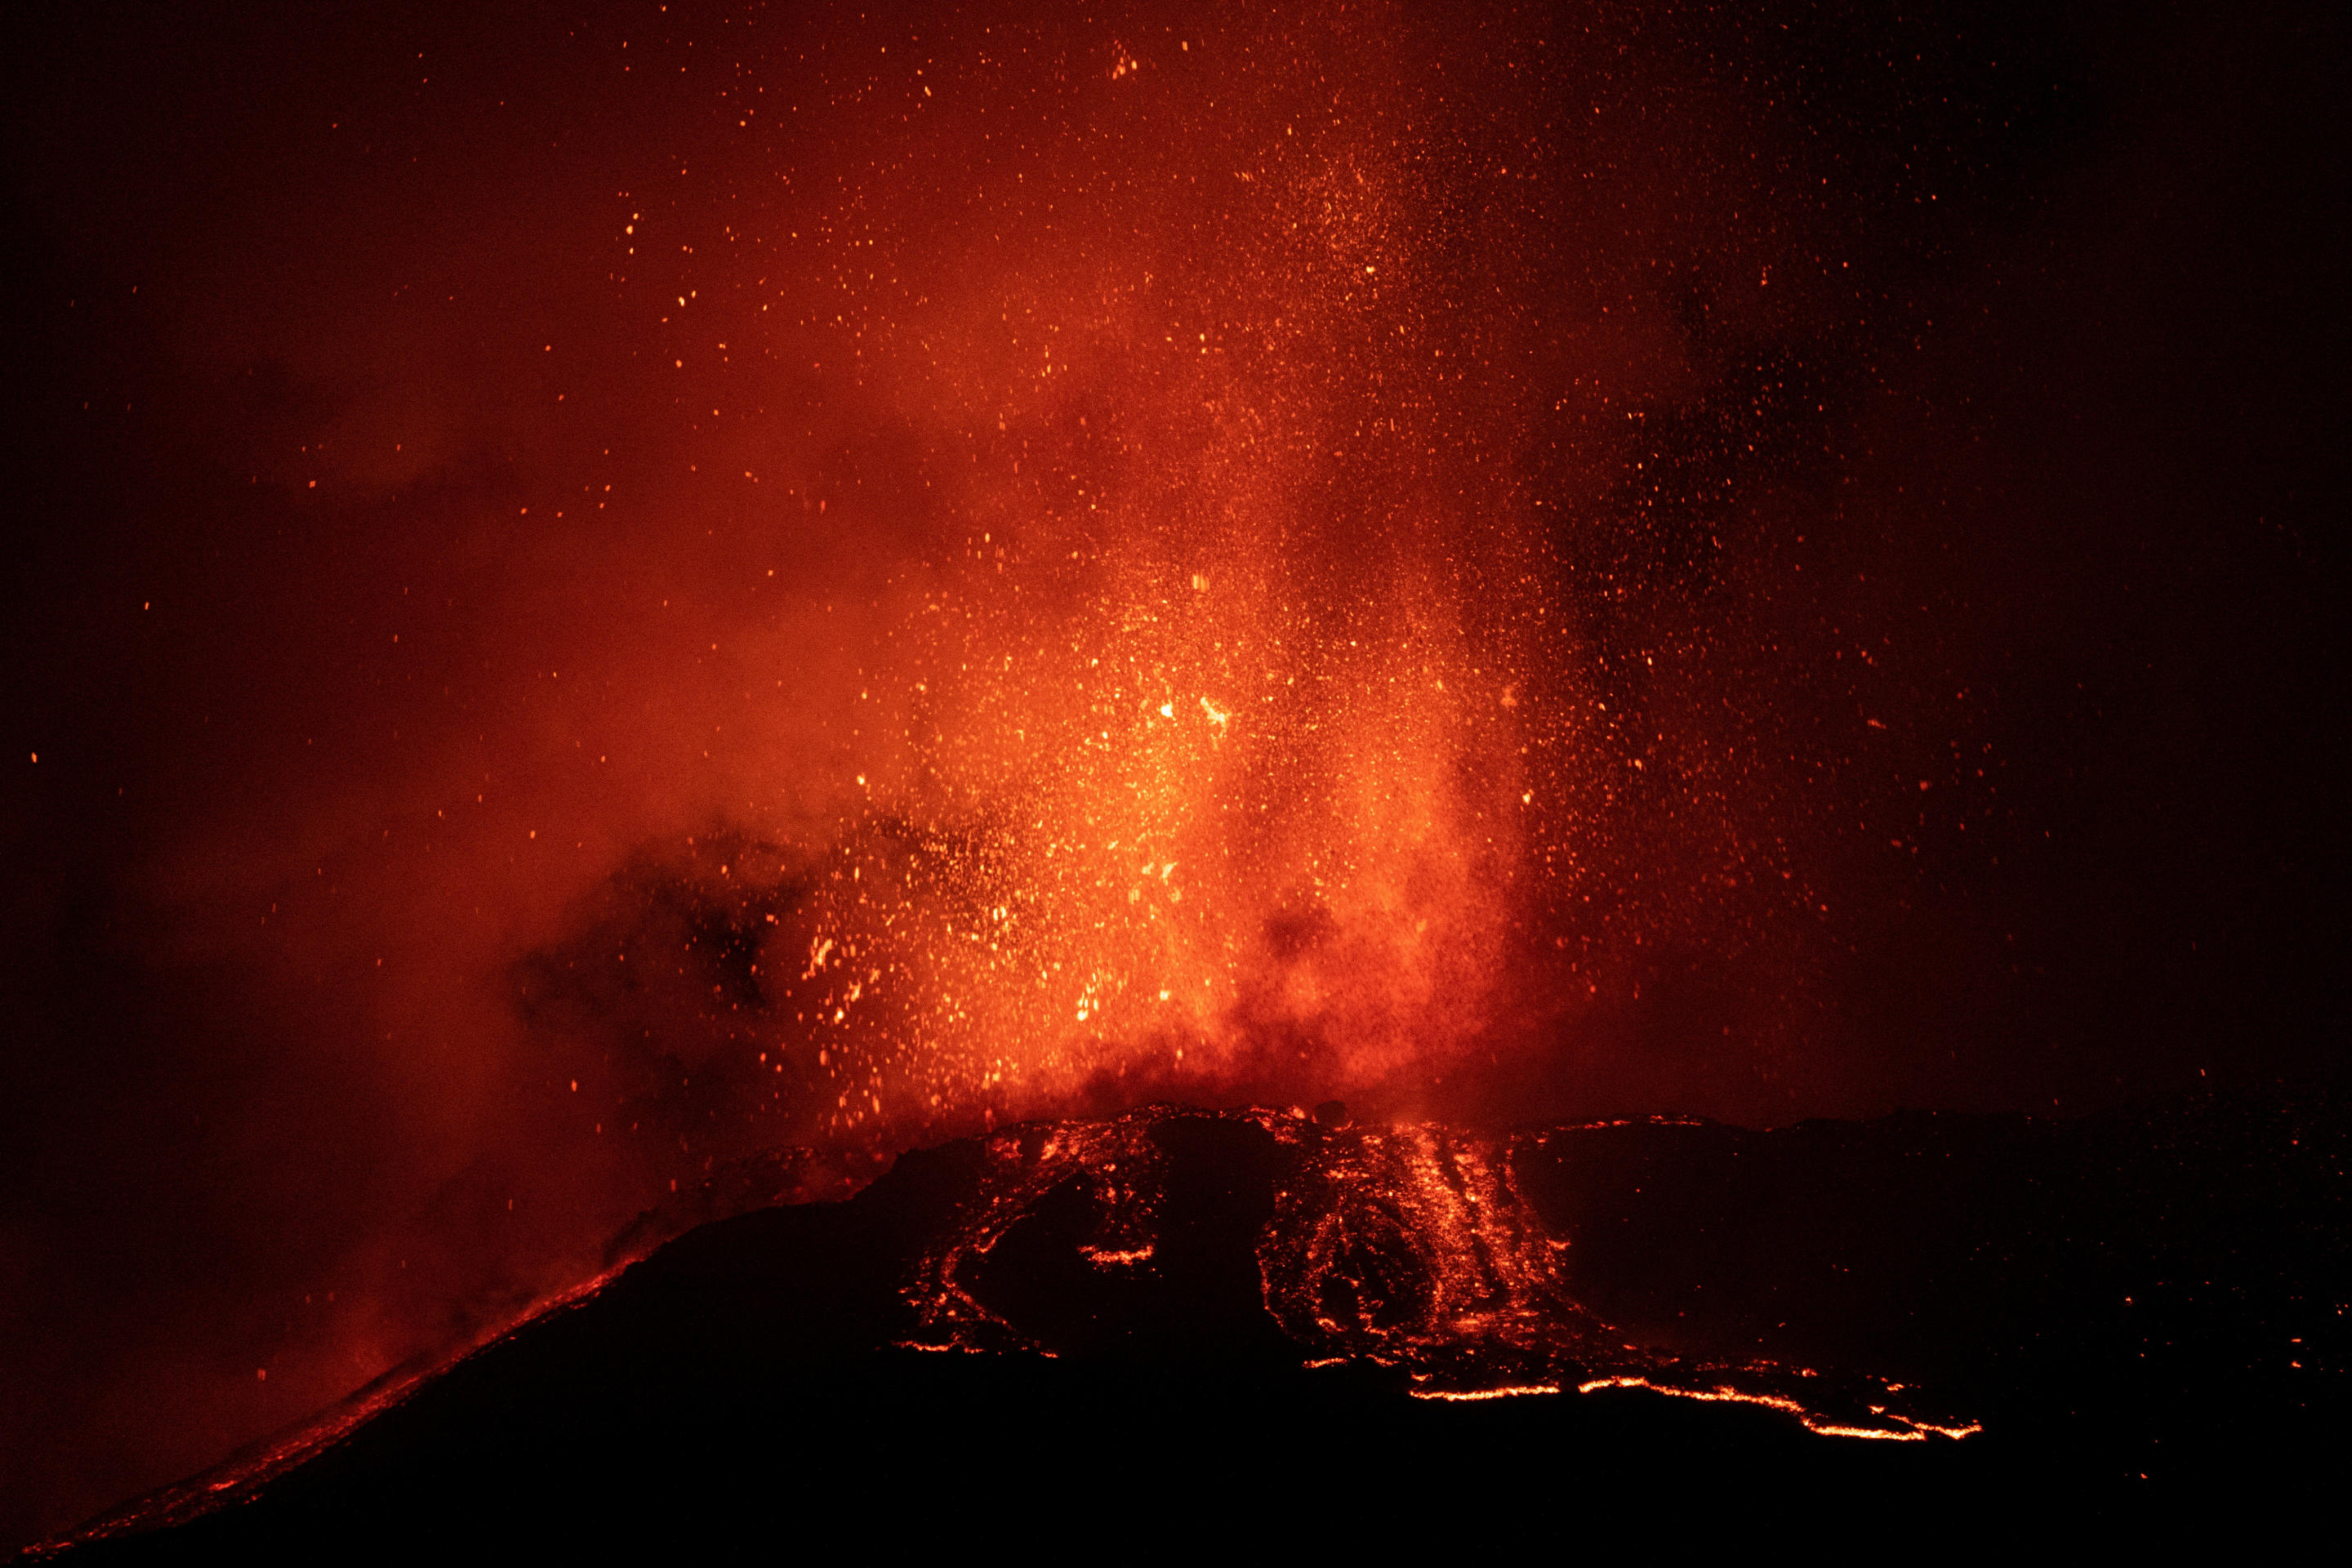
[{"x": 1200, "y": 739}]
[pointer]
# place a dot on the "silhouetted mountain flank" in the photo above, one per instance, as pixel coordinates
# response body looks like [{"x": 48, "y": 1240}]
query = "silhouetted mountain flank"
[{"x": 1176, "y": 1321}]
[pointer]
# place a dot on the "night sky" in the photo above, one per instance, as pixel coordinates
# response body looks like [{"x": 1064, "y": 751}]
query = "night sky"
[{"x": 598, "y": 590}]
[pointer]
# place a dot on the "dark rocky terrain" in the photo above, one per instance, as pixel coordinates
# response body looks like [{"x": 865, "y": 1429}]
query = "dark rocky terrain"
[{"x": 1124, "y": 1334}]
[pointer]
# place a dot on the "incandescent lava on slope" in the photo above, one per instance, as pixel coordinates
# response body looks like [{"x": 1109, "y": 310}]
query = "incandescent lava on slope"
[{"x": 1407, "y": 1248}]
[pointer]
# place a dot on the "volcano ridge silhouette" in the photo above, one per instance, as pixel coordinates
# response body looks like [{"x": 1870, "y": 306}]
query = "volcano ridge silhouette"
[{"x": 2118, "y": 1306}]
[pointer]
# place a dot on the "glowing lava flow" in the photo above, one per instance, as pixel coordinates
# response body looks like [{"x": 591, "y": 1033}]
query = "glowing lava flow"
[
  {"x": 1905, "y": 1428},
  {"x": 1407, "y": 1248}
]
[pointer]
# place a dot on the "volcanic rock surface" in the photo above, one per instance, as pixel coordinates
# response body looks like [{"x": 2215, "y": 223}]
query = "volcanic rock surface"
[{"x": 1172, "y": 1321}]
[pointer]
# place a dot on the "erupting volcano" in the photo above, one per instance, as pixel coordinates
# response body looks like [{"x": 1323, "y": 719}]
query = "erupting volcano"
[{"x": 1155, "y": 721}]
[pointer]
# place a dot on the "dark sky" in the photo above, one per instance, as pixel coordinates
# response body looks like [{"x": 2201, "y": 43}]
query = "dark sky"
[{"x": 1758, "y": 560}]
